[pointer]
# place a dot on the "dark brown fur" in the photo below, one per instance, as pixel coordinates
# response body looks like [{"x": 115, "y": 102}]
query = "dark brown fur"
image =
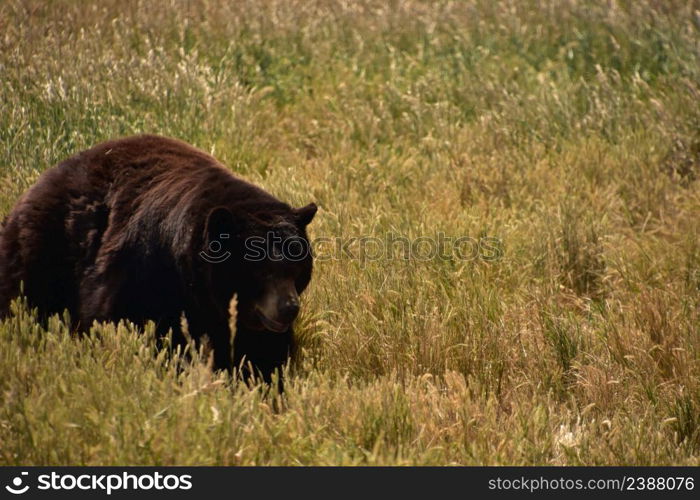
[{"x": 115, "y": 231}]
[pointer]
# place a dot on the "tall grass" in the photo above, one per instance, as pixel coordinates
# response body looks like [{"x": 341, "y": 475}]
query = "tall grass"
[{"x": 568, "y": 130}]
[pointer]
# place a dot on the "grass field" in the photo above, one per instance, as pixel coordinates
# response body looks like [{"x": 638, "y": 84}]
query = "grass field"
[{"x": 567, "y": 130}]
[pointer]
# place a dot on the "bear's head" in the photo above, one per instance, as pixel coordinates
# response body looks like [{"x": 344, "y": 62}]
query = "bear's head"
[{"x": 264, "y": 257}]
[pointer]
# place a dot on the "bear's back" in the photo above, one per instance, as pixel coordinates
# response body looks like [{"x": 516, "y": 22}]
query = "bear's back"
[{"x": 131, "y": 195}]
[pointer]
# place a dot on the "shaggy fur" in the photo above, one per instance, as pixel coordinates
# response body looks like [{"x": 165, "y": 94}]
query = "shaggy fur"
[{"x": 116, "y": 232}]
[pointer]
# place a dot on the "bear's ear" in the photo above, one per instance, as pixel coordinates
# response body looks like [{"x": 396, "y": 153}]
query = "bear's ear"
[
  {"x": 220, "y": 225},
  {"x": 306, "y": 214}
]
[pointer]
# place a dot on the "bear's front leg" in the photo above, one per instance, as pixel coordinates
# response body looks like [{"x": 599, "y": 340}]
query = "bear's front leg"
[
  {"x": 216, "y": 327},
  {"x": 220, "y": 337},
  {"x": 259, "y": 354}
]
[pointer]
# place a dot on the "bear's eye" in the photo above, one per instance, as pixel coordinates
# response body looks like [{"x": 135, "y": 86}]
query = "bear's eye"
[{"x": 295, "y": 250}]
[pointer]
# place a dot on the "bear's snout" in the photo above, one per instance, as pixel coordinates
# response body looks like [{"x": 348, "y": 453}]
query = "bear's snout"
[
  {"x": 289, "y": 308},
  {"x": 278, "y": 307}
]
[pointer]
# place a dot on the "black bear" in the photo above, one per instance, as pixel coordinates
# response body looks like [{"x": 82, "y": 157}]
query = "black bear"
[{"x": 150, "y": 228}]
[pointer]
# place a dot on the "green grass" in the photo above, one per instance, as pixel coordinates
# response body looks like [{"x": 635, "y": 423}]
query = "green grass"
[{"x": 568, "y": 130}]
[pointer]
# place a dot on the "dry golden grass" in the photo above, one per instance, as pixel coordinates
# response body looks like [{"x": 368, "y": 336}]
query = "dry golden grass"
[{"x": 567, "y": 130}]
